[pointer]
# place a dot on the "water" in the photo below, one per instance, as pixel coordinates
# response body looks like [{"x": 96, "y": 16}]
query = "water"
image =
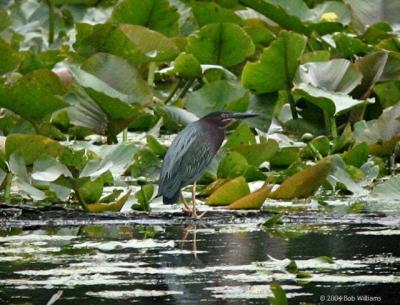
[{"x": 227, "y": 262}]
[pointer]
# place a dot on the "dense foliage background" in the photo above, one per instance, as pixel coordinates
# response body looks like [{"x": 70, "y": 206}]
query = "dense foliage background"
[{"x": 88, "y": 89}]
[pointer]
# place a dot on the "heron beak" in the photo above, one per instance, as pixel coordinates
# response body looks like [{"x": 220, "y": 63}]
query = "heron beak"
[{"x": 243, "y": 115}]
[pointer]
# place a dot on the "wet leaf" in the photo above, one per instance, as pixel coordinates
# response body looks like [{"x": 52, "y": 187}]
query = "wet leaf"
[
  {"x": 320, "y": 143},
  {"x": 229, "y": 192},
  {"x": 225, "y": 44},
  {"x": 157, "y": 15},
  {"x": 277, "y": 65},
  {"x": 253, "y": 200},
  {"x": 31, "y": 147},
  {"x": 213, "y": 186},
  {"x": 216, "y": 96},
  {"x": 108, "y": 207},
  {"x": 304, "y": 183}
]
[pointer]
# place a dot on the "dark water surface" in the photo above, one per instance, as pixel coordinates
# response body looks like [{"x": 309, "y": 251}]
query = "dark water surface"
[{"x": 123, "y": 262}]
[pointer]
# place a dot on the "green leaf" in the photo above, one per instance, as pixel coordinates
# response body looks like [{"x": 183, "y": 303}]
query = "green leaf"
[
  {"x": 304, "y": 183},
  {"x": 155, "y": 146},
  {"x": 357, "y": 156},
  {"x": 225, "y": 44},
  {"x": 17, "y": 166},
  {"x": 273, "y": 221},
  {"x": 32, "y": 60},
  {"x": 232, "y": 165},
  {"x": 240, "y": 136},
  {"x": 210, "y": 12},
  {"x": 91, "y": 191},
  {"x": 279, "y": 297},
  {"x": 5, "y": 19},
  {"x": 35, "y": 96},
  {"x": 216, "y": 96},
  {"x": 285, "y": 156},
  {"x": 229, "y": 192},
  {"x": 134, "y": 43},
  {"x": 348, "y": 46},
  {"x": 32, "y": 147},
  {"x": 256, "y": 154},
  {"x": 388, "y": 93},
  {"x": 157, "y": 15},
  {"x": 47, "y": 168},
  {"x": 187, "y": 66},
  {"x": 10, "y": 59},
  {"x": 145, "y": 194},
  {"x": 277, "y": 65}
]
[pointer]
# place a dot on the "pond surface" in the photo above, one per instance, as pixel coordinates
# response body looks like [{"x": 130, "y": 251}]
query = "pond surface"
[{"x": 157, "y": 261}]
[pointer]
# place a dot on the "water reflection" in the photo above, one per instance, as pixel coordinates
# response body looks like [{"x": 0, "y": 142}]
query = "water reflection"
[{"x": 199, "y": 264}]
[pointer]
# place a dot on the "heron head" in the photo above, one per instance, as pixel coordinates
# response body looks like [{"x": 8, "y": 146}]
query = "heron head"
[{"x": 225, "y": 118}]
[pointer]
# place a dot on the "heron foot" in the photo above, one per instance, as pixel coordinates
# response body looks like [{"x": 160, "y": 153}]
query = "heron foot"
[{"x": 193, "y": 212}]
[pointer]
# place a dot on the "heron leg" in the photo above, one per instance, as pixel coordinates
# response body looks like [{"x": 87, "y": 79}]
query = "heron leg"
[
  {"x": 194, "y": 212},
  {"x": 186, "y": 209}
]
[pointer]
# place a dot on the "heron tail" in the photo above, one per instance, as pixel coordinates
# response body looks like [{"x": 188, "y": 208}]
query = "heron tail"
[{"x": 171, "y": 199}]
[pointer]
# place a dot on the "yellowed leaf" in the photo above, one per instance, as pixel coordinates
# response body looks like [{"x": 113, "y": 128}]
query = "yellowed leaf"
[
  {"x": 253, "y": 200},
  {"x": 229, "y": 192}
]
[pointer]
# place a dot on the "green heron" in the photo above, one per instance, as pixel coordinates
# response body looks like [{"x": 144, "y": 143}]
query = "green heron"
[{"x": 191, "y": 152}]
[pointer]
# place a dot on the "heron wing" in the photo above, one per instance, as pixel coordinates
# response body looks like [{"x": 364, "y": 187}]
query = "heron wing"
[{"x": 187, "y": 157}]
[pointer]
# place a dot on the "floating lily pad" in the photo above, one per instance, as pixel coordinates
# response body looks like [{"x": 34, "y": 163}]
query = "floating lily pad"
[
  {"x": 35, "y": 96},
  {"x": 304, "y": 183},
  {"x": 253, "y": 200},
  {"x": 225, "y": 44},
  {"x": 256, "y": 154},
  {"x": 111, "y": 207},
  {"x": 157, "y": 15},
  {"x": 277, "y": 65},
  {"x": 232, "y": 165},
  {"x": 229, "y": 192},
  {"x": 216, "y": 96},
  {"x": 31, "y": 147},
  {"x": 135, "y": 43}
]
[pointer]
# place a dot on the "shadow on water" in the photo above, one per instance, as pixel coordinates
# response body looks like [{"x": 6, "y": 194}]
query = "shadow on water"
[{"x": 204, "y": 264}]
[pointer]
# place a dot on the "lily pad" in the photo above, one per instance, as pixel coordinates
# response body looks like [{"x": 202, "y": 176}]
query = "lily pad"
[
  {"x": 304, "y": 183},
  {"x": 31, "y": 147},
  {"x": 242, "y": 135},
  {"x": 232, "y": 165},
  {"x": 135, "y": 43},
  {"x": 9, "y": 57},
  {"x": 216, "y": 96},
  {"x": 35, "y": 96},
  {"x": 253, "y": 200},
  {"x": 210, "y": 12},
  {"x": 229, "y": 192},
  {"x": 187, "y": 66},
  {"x": 388, "y": 190},
  {"x": 327, "y": 85},
  {"x": 111, "y": 207},
  {"x": 225, "y": 44},
  {"x": 256, "y": 154},
  {"x": 277, "y": 64},
  {"x": 157, "y": 15}
]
